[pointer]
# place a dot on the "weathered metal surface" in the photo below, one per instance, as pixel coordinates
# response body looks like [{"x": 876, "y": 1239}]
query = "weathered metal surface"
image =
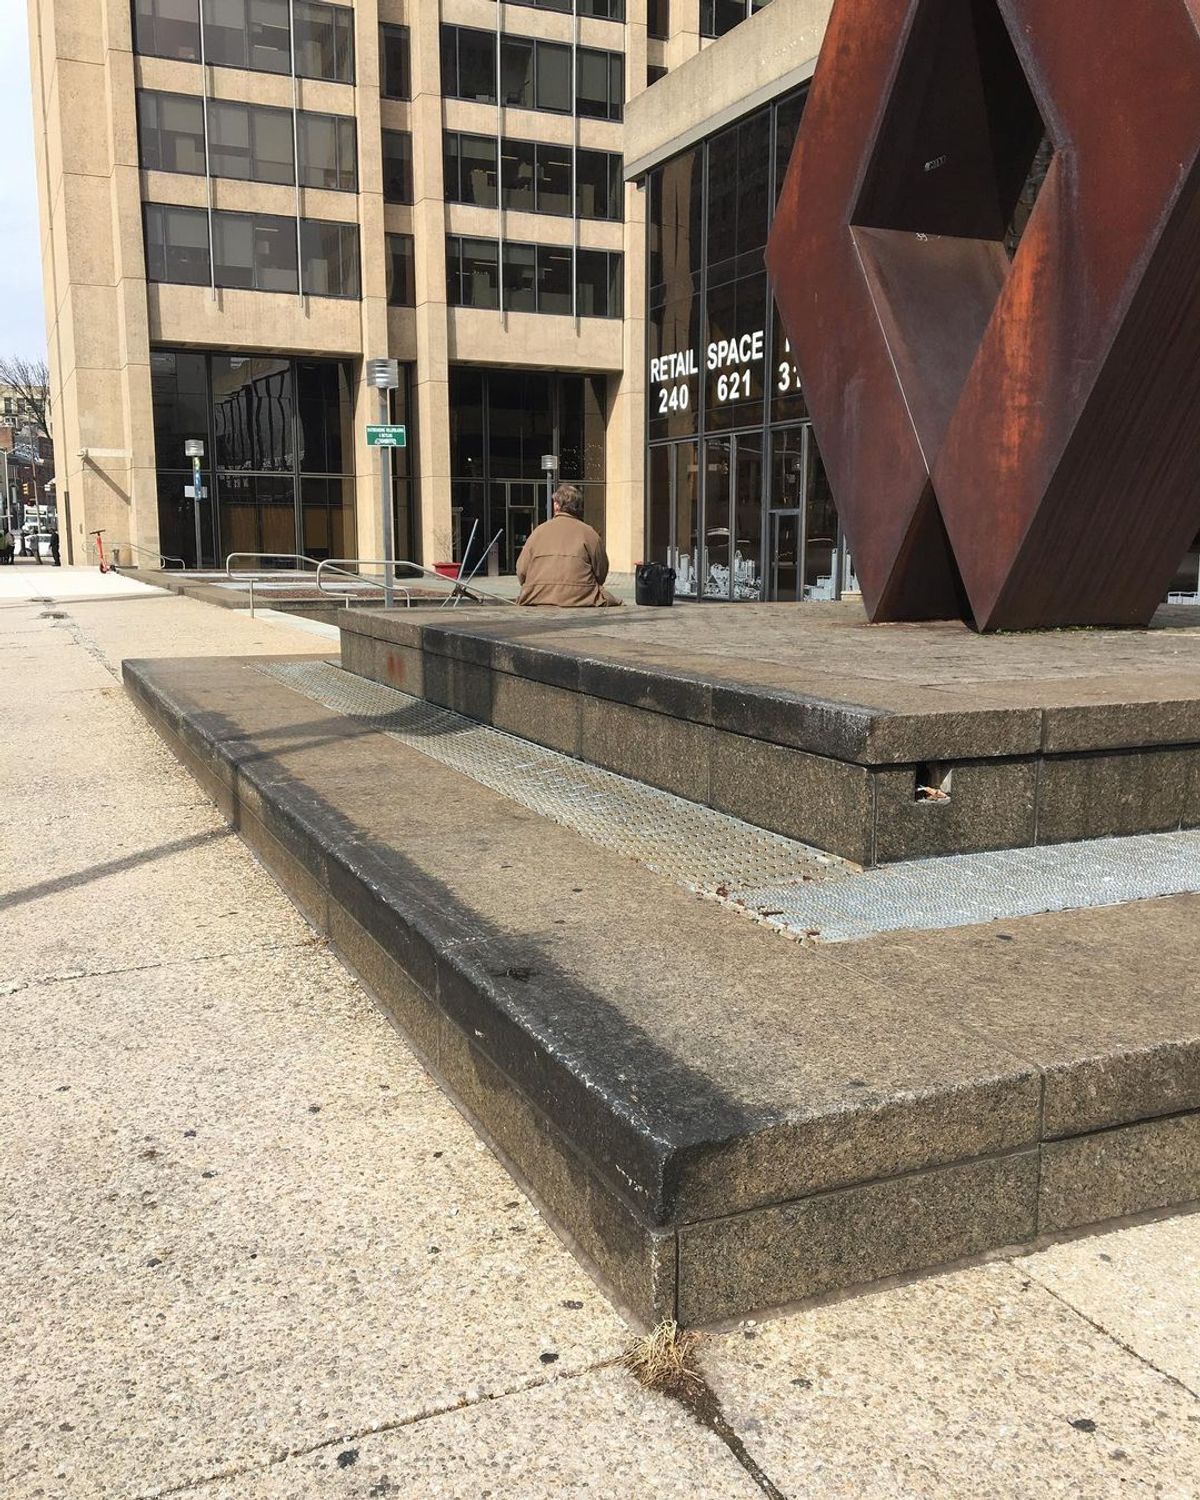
[{"x": 1018, "y": 442}]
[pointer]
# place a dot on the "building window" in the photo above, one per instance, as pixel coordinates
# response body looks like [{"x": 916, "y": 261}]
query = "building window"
[
  {"x": 470, "y": 168},
  {"x": 537, "y": 278},
  {"x": 249, "y": 141},
  {"x": 501, "y": 422},
  {"x": 329, "y": 258},
  {"x": 602, "y": 10},
  {"x": 719, "y": 16},
  {"x": 472, "y": 272},
  {"x": 328, "y": 151},
  {"x": 177, "y": 244},
  {"x": 324, "y": 41},
  {"x": 250, "y": 34},
  {"x": 278, "y": 438},
  {"x": 658, "y": 19},
  {"x": 536, "y": 176},
  {"x": 256, "y": 252},
  {"x": 653, "y": 74},
  {"x": 598, "y": 279},
  {"x": 469, "y": 63},
  {"x": 600, "y": 84},
  {"x": 401, "y": 281},
  {"x": 395, "y": 63},
  {"x": 170, "y": 132},
  {"x": 533, "y": 74},
  {"x": 167, "y": 28},
  {"x": 599, "y": 189},
  {"x": 397, "y": 167}
]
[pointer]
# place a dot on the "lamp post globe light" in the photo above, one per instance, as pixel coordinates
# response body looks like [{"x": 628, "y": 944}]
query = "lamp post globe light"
[
  {"x": 550, "y": 468},
  {"x": 384, "y": 375}
]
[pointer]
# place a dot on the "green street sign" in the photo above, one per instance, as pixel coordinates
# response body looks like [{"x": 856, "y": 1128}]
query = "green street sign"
[{"x": 390, "y": 436}]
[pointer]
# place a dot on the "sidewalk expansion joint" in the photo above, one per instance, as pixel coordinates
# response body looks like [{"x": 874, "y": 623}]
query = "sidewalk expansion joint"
[
  {"x": 797, "y": 890},
  {"x": 1107, "y": 1333},
  {"x": 463, "y": 1404}
]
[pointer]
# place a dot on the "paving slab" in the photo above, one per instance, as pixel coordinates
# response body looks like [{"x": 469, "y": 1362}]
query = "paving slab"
[
  {"x": 977, "y": 1383},
  {"x": 599, "y": 1435},
  {"x": 353, "y": 1257},
  {"x": 1140, "y": 1285}
]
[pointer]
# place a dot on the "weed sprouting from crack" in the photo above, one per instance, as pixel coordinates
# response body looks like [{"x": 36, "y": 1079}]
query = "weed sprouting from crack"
[{"x": 664, "y": 1360}]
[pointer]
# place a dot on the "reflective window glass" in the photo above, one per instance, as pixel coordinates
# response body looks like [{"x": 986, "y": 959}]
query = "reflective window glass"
[
  {"x": 167, "y": 28},
  {"x": 170, "y": 132},
  {"x": 520, "y": 277},
  {"x": 469, "y": 63},
  {"x": 395, "y": 80},
  {"x": 554, "y": 279},
  {"x": 176, "y": 244},
  {"x": 324, "y": 41},
  {"x": 517, "y": 174},
  {"x": 397, "y": 167},
  {"x": 553, "y": 179},
  {"x": 179, "y": 389},
  {"x": 401, "y": 286},
  {"x": 553, "y": 77},
  {"x": 470, "y": 168},
  {"x": 328, "y": 151},
  {"x": 330, "y": 258},
  {"x": 599, "y": 191},
  {"x": 517, "y": 72}
]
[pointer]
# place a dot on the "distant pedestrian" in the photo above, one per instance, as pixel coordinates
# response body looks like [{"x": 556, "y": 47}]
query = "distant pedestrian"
[
  {"x": 54, "y": 547},
  {"x": 6, "y": 545}
]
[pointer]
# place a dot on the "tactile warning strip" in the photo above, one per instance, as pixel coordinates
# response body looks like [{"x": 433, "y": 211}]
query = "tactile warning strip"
[{"x": 775, "y": 880}]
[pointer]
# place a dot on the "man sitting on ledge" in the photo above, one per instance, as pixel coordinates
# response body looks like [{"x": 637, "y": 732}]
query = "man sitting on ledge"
[{"x": 564, "y": 562}]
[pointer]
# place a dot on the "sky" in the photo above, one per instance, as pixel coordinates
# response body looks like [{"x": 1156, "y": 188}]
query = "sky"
[{"x": 23, "y": 325}]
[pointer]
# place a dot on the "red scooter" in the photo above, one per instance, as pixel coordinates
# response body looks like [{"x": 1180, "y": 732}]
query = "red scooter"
[{"x": 105, "y": 565}]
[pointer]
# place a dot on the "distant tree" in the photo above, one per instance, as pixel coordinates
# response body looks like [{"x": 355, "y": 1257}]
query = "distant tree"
[{"x": 30, "y": 380}]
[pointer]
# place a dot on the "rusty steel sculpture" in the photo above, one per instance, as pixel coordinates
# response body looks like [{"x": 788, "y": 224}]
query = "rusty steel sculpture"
[{"x": 987, "y": 259}]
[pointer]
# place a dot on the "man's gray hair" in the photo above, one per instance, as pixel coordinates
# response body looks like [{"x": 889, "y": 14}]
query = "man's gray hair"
[{"x": 569, "y": 500}]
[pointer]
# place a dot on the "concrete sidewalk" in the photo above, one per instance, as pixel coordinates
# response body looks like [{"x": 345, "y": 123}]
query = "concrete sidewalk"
[{"x": 251, "y": 1251}]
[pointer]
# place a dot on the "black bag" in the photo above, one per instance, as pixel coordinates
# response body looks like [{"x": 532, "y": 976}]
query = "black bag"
[{"x": 654, "y": 583}]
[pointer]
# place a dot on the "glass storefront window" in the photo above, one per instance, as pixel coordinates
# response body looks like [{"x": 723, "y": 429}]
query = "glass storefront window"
[
  {"x": 501, "y": 423},
  {"x": 754, "y": 518},
  {"x": 278, "y": 435}
]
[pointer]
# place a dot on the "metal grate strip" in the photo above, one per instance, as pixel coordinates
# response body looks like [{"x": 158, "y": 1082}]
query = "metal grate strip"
[{"x": 787, "y": 885}]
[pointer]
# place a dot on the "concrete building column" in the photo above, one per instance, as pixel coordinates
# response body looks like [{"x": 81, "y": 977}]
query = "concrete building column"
[{"x": 432, "y": 382}]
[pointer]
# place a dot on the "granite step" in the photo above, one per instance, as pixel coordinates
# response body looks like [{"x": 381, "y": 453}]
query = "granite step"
[{"x": 716, "y": 1118}]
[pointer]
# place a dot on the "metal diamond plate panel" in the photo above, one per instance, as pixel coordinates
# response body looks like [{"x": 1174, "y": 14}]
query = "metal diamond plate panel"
[{"x": 787, "y": 885}]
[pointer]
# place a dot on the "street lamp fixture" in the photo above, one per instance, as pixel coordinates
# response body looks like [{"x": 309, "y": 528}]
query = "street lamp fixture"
[
  {"x": 194, "y": 449},
  {"x": 550, "y": 469},
  {"x": 384, "y": 376}
]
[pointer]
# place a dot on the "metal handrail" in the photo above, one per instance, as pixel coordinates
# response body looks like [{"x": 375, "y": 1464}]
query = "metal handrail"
[
  {"x": 273, "y": 572},
  {"x": 343, "y": 565},
  {"x": 163, "y": 557},
  {"x": 335, "y": 565}
]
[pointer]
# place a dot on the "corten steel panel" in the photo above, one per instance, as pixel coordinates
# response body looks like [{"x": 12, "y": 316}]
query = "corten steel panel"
[{"x": 1017, "y": 442}]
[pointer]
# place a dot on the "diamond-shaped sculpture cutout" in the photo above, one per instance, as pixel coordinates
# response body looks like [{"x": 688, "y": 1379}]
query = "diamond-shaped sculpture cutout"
[
  {"x": 984, "y": 258},
  {"x": 953, "y": 154}
]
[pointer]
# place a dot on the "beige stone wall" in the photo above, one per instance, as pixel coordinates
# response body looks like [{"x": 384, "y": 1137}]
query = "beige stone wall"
[{"x": 103, "y": 317}]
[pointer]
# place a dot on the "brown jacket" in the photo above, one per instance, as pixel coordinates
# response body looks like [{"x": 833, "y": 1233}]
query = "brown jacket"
[{"x": 563, "y": 563}]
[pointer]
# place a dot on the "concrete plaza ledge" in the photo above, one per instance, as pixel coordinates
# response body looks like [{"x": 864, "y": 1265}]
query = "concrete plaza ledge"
[
  {"x": 805, "y": 720},
  {"x": 715, "y": 1118}
]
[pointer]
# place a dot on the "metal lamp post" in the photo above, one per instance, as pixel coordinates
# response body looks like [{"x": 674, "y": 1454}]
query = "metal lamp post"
[
  {"x": 384, "y": 375},
  {"x": 194, "y": 449},
  {"x": 550, "y": 466}
]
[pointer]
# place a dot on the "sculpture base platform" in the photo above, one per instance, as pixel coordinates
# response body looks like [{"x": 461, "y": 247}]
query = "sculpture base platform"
[
  {"x": 876, "y": 743},
  {"x": 716, "y": 1119}
]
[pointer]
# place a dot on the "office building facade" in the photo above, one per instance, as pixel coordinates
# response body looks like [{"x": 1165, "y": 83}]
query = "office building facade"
[{"x": 245, "y": 200}]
